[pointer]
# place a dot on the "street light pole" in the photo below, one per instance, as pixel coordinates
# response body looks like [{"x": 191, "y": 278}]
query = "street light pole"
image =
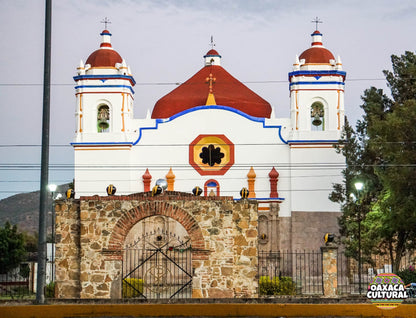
[
  {"x": 359, "y": 186},
  {"x": 52, "y": 189},
  {"x": 44, "y": 174}
]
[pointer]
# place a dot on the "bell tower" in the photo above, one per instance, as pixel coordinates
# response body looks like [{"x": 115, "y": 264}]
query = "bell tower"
[
  {"x": 104, "y": 121},
  {"x": 316, "y": 87},
  {"x": 104, "y": 96}
]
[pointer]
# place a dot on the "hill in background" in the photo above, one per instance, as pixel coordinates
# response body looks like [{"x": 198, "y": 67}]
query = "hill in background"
[{"x": 23, "y": 210}]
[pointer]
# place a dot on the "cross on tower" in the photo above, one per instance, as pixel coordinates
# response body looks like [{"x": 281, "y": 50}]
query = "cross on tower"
[
  {"x": 210, "y": 80},
  {"x": 212, "y": 42},
  {"x": 106, "y": 21},
  {"x": 316, "y": 21}
]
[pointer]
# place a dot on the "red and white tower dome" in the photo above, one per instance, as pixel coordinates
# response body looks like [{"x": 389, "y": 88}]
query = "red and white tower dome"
[
  {"x": 104, "y": 91},
  {"x": 316, "y": 87}
]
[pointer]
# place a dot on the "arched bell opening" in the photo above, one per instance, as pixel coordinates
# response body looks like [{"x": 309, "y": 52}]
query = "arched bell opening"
[
  {"x": 103, "y": 119},
  {"x": 317, "y": 117}
]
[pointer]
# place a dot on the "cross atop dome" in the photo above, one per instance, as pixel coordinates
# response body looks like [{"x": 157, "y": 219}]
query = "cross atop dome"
[
  {"x": 316, "y": 21},
  {"x": 106, "y": 21},
  {"x": 212, "y": 42}
]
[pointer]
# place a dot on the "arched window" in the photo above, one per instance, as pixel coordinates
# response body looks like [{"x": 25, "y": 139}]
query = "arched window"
[
  {"x": 317, "y": 117},
  {"x": 103, "y": 119},
  {"x": 212, "y": 188}
]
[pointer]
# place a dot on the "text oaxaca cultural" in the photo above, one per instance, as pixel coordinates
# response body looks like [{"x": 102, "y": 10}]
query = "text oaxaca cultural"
[{"x": 386, "y": 292}]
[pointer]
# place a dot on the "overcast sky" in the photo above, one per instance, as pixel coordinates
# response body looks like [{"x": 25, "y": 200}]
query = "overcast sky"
[{"x": 164, "y": 42}]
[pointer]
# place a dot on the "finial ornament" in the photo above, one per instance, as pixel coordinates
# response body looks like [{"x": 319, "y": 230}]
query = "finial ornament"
[
  {"x": 212, "y": 42},
  {"x": 106, "y": 21},
  {"x": 316, "y": 21}
]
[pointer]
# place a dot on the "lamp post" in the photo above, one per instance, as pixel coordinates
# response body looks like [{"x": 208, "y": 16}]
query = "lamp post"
[
  {"x": 359, "y": 186},
  {"x": 52, "y": 189}
]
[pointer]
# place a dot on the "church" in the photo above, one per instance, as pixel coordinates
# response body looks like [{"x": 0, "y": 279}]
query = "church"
[{"x": 214, "y": 137}]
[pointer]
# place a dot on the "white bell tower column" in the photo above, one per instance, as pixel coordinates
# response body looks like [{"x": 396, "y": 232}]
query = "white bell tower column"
[
  {"x": 103, "y": 116},
  {"x": 316, "y": 87}
]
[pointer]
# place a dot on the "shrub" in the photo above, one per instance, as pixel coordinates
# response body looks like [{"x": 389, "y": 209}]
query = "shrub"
[
  {"x": 287, "y": 286},
  {"x": 276, "y": 286},
  {"x": 50, "y": 290},
  {"x": 132, "y": 287},
  {"x": 266, "y": 286},
  {"x": 408, "y": 275}
]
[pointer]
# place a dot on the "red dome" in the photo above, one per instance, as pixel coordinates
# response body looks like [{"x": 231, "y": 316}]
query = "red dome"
[
  {"x": 104, "y": 58},
  {"x": 212, "y": 52},
  {"x": 317, "y": 54},
  {"x": 227, "y": 91}
]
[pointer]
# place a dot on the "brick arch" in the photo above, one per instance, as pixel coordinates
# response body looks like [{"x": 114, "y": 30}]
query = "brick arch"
[{"x": 152, "y": 208}]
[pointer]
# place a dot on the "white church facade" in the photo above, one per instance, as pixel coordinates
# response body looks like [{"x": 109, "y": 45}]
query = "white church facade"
[{"x": 215, "y": 133}]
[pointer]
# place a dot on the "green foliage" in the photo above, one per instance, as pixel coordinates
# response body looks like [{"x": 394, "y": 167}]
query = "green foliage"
[
  {"x": 132, "y": 287},
  {"x": 408, "y": 275},
  {"x": 276, "y": 286},
  {"x": 381, "y": 151},
  {"x": 12, "y": 251},
  {"x": 50, "y": 290},
  {"x": 402, "y": 80}
]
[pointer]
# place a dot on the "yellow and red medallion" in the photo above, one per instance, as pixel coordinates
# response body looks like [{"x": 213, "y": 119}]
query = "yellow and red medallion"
[{"x": 211, "y": 154}]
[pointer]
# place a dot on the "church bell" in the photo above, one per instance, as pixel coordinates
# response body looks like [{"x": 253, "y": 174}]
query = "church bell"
[
  {"x": 103, "y": 124},
  {"x": 316, "y": 120}
]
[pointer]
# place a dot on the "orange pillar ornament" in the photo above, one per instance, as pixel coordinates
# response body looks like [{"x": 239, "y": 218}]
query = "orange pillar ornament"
[
  {"x": 170, "y": 178},
  {"x": 147, "y": 178},
  {"x": 251, "y": 175}
]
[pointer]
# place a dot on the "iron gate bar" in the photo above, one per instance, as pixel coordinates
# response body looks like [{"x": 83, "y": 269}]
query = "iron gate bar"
[
  {"x": 171, "y": 260},
  {"x": 140, "y": 264},
  {"x": 180, "y": 289},
  {"x": 176, "y": 264},
  {"x": 166, "y": 272}
]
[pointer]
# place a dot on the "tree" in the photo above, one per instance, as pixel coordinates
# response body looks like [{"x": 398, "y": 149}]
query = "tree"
[
  {"x": 12, "y": 251},
  {"x": 395, "y": 140},
  {"x": 382, "y": 152}
]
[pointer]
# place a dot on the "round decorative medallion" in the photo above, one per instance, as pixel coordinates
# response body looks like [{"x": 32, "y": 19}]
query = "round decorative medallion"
[{"x": 211, "y": 154}]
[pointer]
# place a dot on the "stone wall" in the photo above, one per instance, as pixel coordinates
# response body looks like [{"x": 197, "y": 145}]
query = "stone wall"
[
  {"x": 68, "y": 249},
  {"x": 309, "y": 228},
  {"x": 91, "y": 232}
]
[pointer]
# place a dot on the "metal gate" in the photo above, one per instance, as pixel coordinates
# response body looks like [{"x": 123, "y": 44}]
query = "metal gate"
[{"x": 159, "y": 265}]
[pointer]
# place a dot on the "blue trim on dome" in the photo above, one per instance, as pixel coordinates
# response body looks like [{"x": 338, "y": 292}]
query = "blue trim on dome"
[
  {"x": 102, "y": 33},
  {"x": 316, "y": 83},
  {"x": 314, "y": 73},
  {"x": 97, "y": 77},
  {"x": 109, "y": 86},
  {"x": 227, "y": 108},
  {"x": 209, "y": 55}
]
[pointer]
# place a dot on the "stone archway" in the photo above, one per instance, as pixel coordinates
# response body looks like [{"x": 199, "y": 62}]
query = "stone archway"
[
  {"x": 91, "y": 232},
  {"x": 157, "y": 260},
  {"x": 141, "y": 211},
  {"x": 146, "y": 209}
]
